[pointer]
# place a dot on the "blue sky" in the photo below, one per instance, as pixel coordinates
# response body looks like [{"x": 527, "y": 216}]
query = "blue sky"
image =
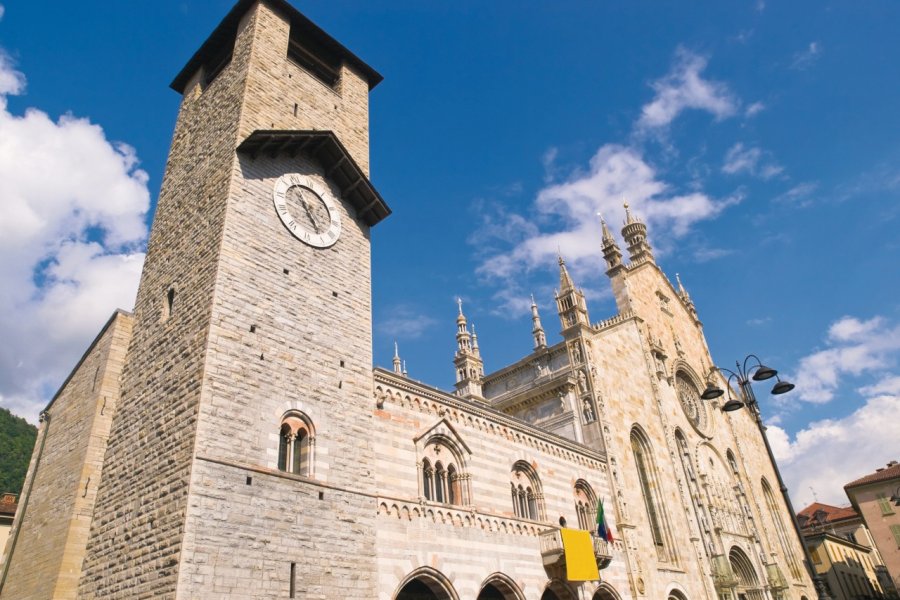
[{"x": 759, "y": 140}]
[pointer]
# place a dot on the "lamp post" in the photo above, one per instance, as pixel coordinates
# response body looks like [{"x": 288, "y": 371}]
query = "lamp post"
[{"x": 760, "y": 372}]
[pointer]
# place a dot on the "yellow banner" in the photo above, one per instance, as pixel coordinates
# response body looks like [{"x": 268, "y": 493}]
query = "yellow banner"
[{"x": 581, "y": 565}]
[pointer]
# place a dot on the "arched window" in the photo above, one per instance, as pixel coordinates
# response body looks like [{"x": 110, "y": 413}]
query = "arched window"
[
  {"x": 649, "y": 483},
  {"x": 427, "y": 480},
  {"x": 443, "y": 477},
  {"x": 452, "y": 485},
  {"x": 775, "y": 514},
  {"x": 296, "y": 443},
  {"x": 527, "y": 494},
  {"x": 585, "y": 505},
  {"x": 440, "y": 482}
]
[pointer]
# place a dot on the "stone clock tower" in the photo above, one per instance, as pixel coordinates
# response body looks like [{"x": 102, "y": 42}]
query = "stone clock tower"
[{"x": 240, "y": 450}]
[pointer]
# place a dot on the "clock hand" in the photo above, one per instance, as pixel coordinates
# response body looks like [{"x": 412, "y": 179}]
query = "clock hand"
[{"x": 309, "y": 211}]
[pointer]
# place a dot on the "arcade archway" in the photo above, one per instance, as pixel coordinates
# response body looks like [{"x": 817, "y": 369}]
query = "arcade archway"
[
  {"x": 426, "y": 584},
  {"x": 499, "y": 587}
]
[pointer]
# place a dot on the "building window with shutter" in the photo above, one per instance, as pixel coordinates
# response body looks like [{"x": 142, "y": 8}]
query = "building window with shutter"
[{"x": 884, "y": 503}]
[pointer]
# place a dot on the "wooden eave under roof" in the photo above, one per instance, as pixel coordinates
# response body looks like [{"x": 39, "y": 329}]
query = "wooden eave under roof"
[
  {"x": 339, "y": 166},
  {"x": 224, "y": 35}
]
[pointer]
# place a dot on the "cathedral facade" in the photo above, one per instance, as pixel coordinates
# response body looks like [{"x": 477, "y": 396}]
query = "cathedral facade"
[{"x": 231, "y": 439}]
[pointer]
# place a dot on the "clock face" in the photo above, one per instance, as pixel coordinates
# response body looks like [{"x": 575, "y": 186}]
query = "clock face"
[{"x": 307, "y": 209}]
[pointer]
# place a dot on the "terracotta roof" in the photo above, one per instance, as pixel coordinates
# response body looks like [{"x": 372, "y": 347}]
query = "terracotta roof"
[
  {"x": 8, "y": 504},
  {"x": 892, "y": 471},
  {"x": 833, "y": 514}
]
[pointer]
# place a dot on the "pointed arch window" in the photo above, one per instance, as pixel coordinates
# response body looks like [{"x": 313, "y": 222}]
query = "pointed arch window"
[
  {"x": 648, "y": 480},
  {"x": 783, "y": 539},
  {"x": 527, "y": 494},
  {"x": 585, "y": 505},
  {"x": 296, "y": 444}
]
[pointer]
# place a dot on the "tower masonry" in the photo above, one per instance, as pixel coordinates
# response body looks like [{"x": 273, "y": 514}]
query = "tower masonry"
[{"x": 253, "y": 324}]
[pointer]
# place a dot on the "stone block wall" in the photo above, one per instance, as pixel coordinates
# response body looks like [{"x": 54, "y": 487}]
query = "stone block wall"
[
  {"x": 136, "y": 537},
  {"x": 54, "y": 517},
  {"x": 280, "y": 94}
]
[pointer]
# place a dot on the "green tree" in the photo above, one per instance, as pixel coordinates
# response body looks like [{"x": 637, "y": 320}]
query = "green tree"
[{"x": 17, "y": 438}]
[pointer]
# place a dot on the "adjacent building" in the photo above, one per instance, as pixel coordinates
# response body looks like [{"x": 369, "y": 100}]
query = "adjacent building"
[
  {"x": 8, "y": 504},
  {"x": 231, "y": 438},
  {"x": 843, "y": 552},
  {"x": 876, "y": 497}
]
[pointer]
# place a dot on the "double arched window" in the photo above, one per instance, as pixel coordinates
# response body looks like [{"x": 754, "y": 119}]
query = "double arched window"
[
  {"x": 296, "y": 444},
  {"x": 527, "y": 494}
]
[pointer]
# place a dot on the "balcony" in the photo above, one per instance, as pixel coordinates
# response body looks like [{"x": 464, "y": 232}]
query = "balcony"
[{"x": 553, "y": 555}]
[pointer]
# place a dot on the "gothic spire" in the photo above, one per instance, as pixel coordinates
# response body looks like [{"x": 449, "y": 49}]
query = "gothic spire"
[
  {"x": 635, "y": 234},
  {"x": 569, "y": 300},
  {"x": 611, "y": 252},
  {"x": 565, "y": 281},
  {"x": 468, "y": 363},
  {"x": 463, "y": 340},
  {"x": 397, "y": 363},
  {"x": 537, "y": 330}
]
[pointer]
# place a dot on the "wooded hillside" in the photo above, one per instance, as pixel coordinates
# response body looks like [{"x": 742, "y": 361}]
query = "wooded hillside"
[{"x": 17, "y": 438}]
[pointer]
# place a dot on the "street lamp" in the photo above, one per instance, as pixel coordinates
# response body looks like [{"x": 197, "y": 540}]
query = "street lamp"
[
  {"x": 895, "y": 497},
  {"x": 760, "y": 372}
]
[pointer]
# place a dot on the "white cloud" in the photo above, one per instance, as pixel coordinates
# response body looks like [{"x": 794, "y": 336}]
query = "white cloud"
[
  {"x": 12, "y": 82},
  {"x": 754, "y": 109},
  {"x": 72, "y": 231},
  {"x": 568, "y": 210},
  {"x": 405, "y": 322},
  {"x": 799, "y": 195},
  {"x": 753, "y": 161},
  {"x": 704, "y": 254},
  {"x": 807, "y": 57},
  {"x": 829, "y": 453},
  {"x": 683, "y": 88},
  {"x": 759, "y": 321},
  {"x": 2, "y": 11},
  {"x": 854, "y": 347}
]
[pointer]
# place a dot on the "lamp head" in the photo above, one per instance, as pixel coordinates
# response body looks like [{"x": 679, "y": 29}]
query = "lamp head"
[
  {"x": 732, "y": 405},
  {"x": 763, "y": 373},
  {"x": 782, "y": 387},
  {"x": 711, "y": 392}
]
